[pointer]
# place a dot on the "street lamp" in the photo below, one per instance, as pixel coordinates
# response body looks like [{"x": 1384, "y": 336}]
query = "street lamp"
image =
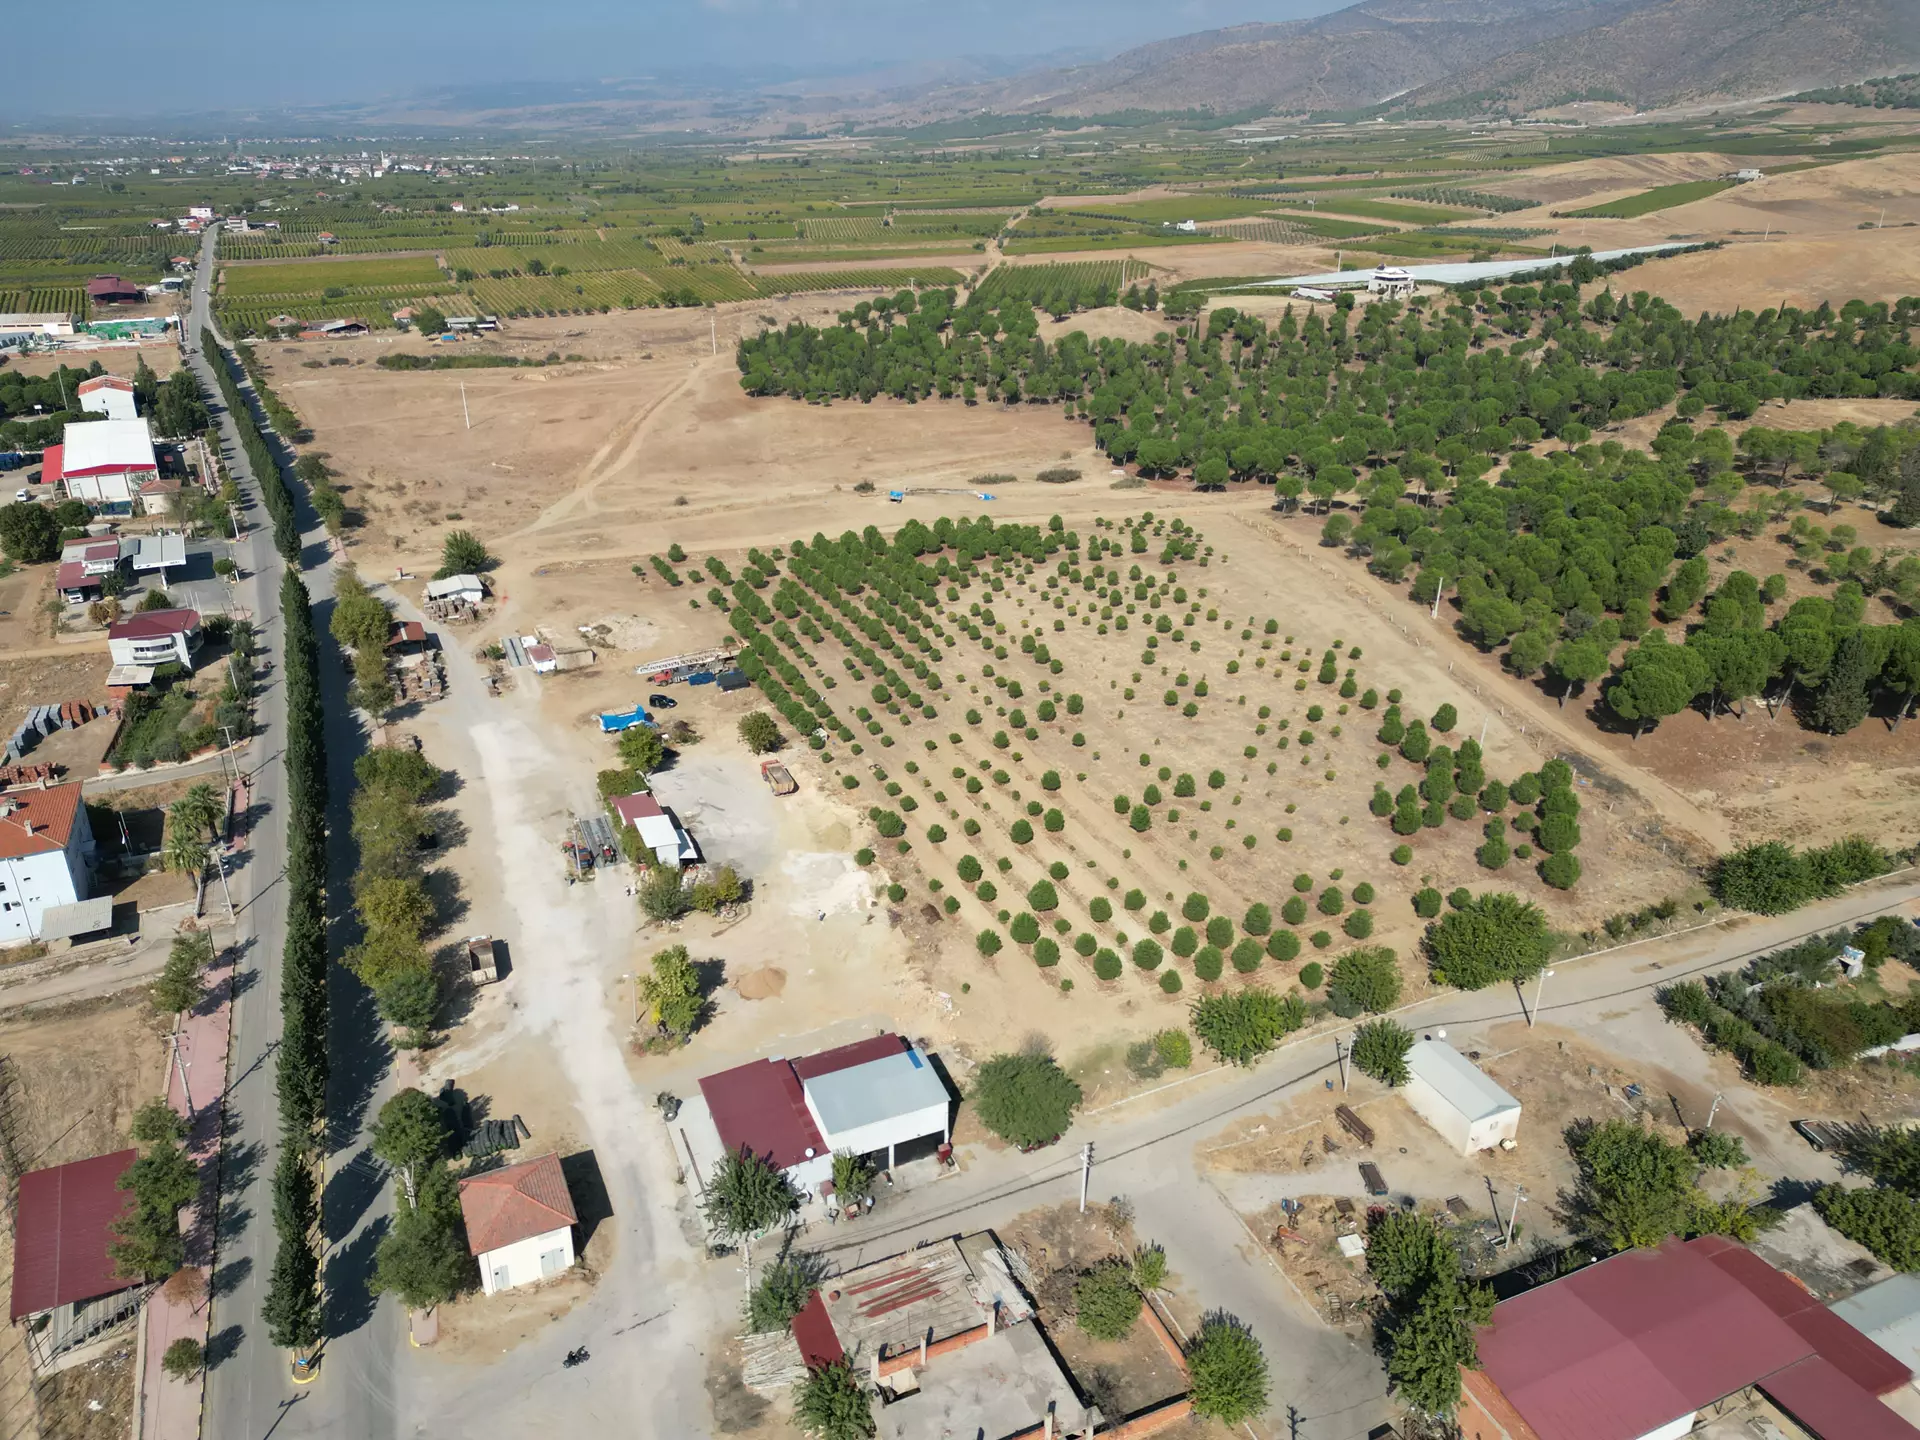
[{"x": 1537, "y": 989}]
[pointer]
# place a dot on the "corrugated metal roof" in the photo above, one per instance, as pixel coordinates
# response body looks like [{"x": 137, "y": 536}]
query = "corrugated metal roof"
[
  {"x": 884, "y": 1089},
  {"x": 1888, "y": 1314},
  {"x": 61, "y": 1232},
  {"x": 106, "y": 446},
  {"x": 1461, "y": 1083},
  {"x": 1829, "y": 1405},
  {"x": 843, "y": 1057},
  {"x": 813, "y": 1332},
  {"x": 1465, "y": 271},
  {"x": 759, "y": 1107}
]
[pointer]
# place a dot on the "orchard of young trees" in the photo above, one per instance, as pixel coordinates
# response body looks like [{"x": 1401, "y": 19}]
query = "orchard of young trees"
[{"x": 1565, "y": 562}]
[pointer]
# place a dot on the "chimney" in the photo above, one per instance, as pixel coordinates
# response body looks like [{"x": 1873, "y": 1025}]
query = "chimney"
[
  {"x": 923, "y": 1349},
  {"x": 1047, "y": 1433}
]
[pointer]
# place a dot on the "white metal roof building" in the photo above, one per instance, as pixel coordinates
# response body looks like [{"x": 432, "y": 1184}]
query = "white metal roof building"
[
  {"x": 1889, "y": 1315},
  {"x": 1468, "y": 272},
  {"x": 96, "y": 447},
  {"x": 457, "y": 587},
  {"x": 1469, "y": 1109},
  {"x": 875, "y": 1106}
]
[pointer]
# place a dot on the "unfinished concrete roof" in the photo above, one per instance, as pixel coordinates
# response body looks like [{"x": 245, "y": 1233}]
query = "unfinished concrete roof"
[{"x": 998, "y": 1387}]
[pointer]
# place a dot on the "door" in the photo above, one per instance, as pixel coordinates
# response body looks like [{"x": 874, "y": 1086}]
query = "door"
[
  {"x": 552, "y": 1262},
  {"x": 502, "y": 1278}
]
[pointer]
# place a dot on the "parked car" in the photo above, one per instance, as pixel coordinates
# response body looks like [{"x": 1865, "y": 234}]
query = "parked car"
[
  {"x": 1822, "y": 1135},
  {"x": 662, "y": 702},
  {"x": 20, "y": 497}
]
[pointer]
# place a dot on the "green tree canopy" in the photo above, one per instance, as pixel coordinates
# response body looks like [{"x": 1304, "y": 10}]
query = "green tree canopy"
[
  {"x": 1026, "y": 1100},
  {"x": 1494, "y": 937}
]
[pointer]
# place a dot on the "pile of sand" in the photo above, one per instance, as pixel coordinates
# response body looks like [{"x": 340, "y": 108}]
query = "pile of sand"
[{"x": 763, "y": 984}]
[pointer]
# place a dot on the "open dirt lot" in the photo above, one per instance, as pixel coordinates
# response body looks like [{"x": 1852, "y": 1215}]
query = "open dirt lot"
[{"x": 78, "y": 1076}]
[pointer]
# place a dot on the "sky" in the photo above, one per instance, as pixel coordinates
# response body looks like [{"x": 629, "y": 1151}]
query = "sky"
[{"x": 221, "y": 54}]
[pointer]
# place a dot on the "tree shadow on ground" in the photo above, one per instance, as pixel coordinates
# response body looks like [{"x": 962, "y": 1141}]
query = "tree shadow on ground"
[{"x": 350, "y": 1300}]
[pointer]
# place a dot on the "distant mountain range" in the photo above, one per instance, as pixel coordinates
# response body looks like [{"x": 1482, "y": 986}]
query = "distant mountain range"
[{"x": 1461, "y": 57}]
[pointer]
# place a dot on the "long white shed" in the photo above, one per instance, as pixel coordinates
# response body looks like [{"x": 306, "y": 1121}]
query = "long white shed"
[{"x": 1458, "y": 1099}]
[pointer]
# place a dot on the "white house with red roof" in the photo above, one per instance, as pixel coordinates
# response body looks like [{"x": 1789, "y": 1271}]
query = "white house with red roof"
[
  {"x": 103, "y": 463},
  {"x": 519, "y": 1223},
  {"x": 658, "y": 828},
  {"x": 108, "y": 395},
  {"x": 46, "y": 852},
  {"x": 874, "y": 1098},
  {"x": 154, "y": 637}
]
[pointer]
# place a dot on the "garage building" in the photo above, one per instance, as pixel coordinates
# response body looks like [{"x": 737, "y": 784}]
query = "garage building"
[{"x": 1458, "y": 1099}]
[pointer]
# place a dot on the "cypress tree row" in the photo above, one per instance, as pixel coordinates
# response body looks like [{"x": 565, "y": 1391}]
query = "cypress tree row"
[
  {"x": 273, "y": 486},
  {"x": 293, "y": 1299}
]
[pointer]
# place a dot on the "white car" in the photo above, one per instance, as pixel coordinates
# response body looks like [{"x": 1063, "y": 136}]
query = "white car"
[{"x": 20, "y": 497}]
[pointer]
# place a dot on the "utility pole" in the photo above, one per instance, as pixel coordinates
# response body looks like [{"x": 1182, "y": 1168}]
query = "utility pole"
[
  {"x": 1519, "y": 1197},
  {"x": 465, "y": 413},
  {"x": 180, "y": 1068},
  {"x": 220, "y": 865},
  {"x": 1537, "y": 990},
  {"x": 1086, "y": 1170},
  {"x": 635, "y": 980},
  {"x": 1340, "y": 1058},
  {"x": 1713, "y": 1110}
]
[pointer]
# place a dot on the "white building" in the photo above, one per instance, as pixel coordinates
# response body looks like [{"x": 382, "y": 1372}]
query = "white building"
[
  {"x": 519, "y": 1223},
  {"x": 1459, "y": 1100},
  {"x": 46, "y": 848},
  {"x": 875, "y": 1098},
  {"x": 108, "y": 395},
  {"x": 155, "y": 637},
  {"x": 103, "y": 462},
  {"x": 1393, "y": 281},
  {"x": 37, "y": 323},
  {"x": 467, "y": 589},
  {"x": 659, "y": 831}
]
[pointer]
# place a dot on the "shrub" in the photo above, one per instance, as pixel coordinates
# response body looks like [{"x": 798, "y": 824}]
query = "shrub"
[
  {"x": 1046, "y": 952},
  {"x": 1246, "y": 956},
  {"x": 1208, "y": 962},
  {"x": 1886, "y": 1221},
  {"x": 1366, "y": 979},
  {"x": 968, "y": 869},
  {"x": 1147, "y": 954},
  {"x": 1101, "y": 909},
  {"x": 1106, "y": 1302},
  {"x": 1402, "y": 855},
  {"x": 1358, "y": 925},
  {"x": 1303, "y": 883},
  {"x": 1041, "y": 897},
  {"x": 1170, "y": 981},
  {"x": 1363, "y": 894},
  {"x": 1106, "y": 965},
  {"x": 1053, "y": 822},
  {"x": 1024, "y": 929},
  {"x": 988, "y": 943},
  {"x": 1220, "y": 931},
  {"x": 1195, "y": 907},
  {"x": 1294, "y": 911},
  {"x": 863, "y": 857},
  {"x": 1158, "y": 922},
  {"x": 1561, "y": 871},
  {"x": 1557, "y": 833},
  {"x": 1258, "y": 921},
  {"x": 1494, "y": 853},
  {"x": 1027, "y": 1100},
  {"x": 1141, "y": 819},
  {"x": 1084, "y": 944},
  {"x": 1134, "y": 900},
  {"x": 1184, "y": 942},
  {"x": 1283, "y": 945},
  {"x": 987, "y": 891},
  {"x": 1242, "y": 1026},
  {"x": 1444, "y": 719},
  {"x": 890, "y": 825},
  {"x": 1492, "y": 937},
  {"x": 1380, "y": 1049},
  {"x": 1021, "y": 832},
  {"x": 1331, "y": 901},
  {"x": 1311, "y": 974}
]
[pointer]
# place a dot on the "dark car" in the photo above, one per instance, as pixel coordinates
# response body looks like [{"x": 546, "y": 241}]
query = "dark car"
[{"x": 662, "y": 702}]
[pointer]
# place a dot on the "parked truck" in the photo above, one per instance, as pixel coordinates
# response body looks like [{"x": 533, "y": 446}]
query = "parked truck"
[{"x": 778, "y": 778}]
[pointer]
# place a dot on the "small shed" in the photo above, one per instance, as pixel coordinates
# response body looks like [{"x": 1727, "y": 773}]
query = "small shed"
[
  {"x": 731, "y": 680},
  {"x": 1458, "y": 1099}
]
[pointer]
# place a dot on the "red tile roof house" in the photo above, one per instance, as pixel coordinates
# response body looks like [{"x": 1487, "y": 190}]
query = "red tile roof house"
[
  {"x": 112, "y": 290},
  {"x": 519, "y": 1223},
  {"x": 875, "y": 1097},
  {"x": 154, "y": 637},
  {"x": 108, "y": 395},
  {"x": 65, "y": 1286},
  {"x": 1648, "y": 1343},
  {"x": 46, "y": 855}
]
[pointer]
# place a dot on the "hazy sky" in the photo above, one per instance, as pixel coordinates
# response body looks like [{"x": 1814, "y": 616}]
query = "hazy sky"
[{"x": 197, "y": 55}]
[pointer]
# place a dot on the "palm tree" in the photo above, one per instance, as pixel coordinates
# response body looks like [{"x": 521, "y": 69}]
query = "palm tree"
[
  {"x": 186, "y": 852},
  {"x": 201, "y": 808}
]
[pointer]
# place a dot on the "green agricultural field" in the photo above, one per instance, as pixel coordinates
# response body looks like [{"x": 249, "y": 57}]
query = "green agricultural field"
[
  {"x": 1661, "y": 197},
  {"x": 1176, "y": 209},
  {"x": 319, "y": 276},
  {"x": 1385, "y": 210},
  {"x": 1062, "y": 289},
  {"x": 924, "y": 277}
]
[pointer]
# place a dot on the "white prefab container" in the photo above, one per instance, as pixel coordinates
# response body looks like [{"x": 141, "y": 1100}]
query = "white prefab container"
[{"x": 1458, "y": 1099}]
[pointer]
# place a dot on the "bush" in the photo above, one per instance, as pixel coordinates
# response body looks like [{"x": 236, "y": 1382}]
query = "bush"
[
  {"x": 1687, "y": 1002},
  {"x": 1184, "y": 942},
  {"x": 1886, "y": 1221},
  {"x": 1358, "y": 925},
  {"x": 1283, "y": 945},
  {"x": 1368, "y": 979},
  {"x": 1196, "y": 907},
  {"x": 1220, "y": 931},
  {"x": 1331, "y": 901},
  {"x": 1402, "y": 855},
  {"x": 988, "y": 943},
  {"x": 1491, "y": 938},
  {"x": 1024, "y": 929},
  {"x": 1311, "y": 975},
  {"x": 1046, "y": 952},
  {"x": 1147, "y": 954},
  {"x": 1242, "y": 1026},
  {"x": 1158, "y": 923},
  {"x": 1294, "y": 911},
  {"x": 968, "y": 868},
  {"x": 1106, "y": 965},
  {"x": 1208, "y": 963},
  {"x": 1246, "y": 956},
  {"x": 1041, "y": 897},
  {"x": 1021, "y": 832},
  {"x": 1027, "y": 1100},
  {"x": 1380, "y": 1050},
  {"x": 1562, "y": 871},
  {"x": 1227, "y": 1371},
  {"x": 1134, "y": 900},
  {"x": 1258, "y": 921},
  {"x": 1170, "y": 981},
  {"x": 1106, "y": 1302},
  {"x": 1174, "y": 1049}
]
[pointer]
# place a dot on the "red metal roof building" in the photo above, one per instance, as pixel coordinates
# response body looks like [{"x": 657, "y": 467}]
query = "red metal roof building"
[
  {"x": 112, "y": 290},
  {"x": 1636, "y": 1345},
  {"x": 62, "y": 1230}
]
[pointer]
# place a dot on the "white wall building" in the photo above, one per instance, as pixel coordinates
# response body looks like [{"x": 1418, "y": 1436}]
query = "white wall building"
[
  {"x": 103, "y": 462},
  {"x": 1393, "y": 281},
  {"x": 1458, "y": 1099},
  {"x": 519, "y": 1223},
  {"x": 46, "y": 848},
  {"x": 155, "y": 637},
  {"x": 108, "y": 395},
  {"x": 43, "y": 322}
]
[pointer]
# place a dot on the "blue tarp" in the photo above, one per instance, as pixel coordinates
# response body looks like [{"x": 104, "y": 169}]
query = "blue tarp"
[
  {"x": 701, "y": 677},
  {"x": 625, "y": 720}
]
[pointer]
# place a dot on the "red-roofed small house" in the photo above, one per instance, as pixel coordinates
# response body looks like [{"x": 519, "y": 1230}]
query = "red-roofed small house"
[
  {"x": 155, "y": 637},
  {"x": 519, "y": 1223},
  {"x": 65, "y": 1285},
  {"x": 112, "y": 290},
  {"x": 108, "y": 395},
  {"x": 46, "y": 854}
]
